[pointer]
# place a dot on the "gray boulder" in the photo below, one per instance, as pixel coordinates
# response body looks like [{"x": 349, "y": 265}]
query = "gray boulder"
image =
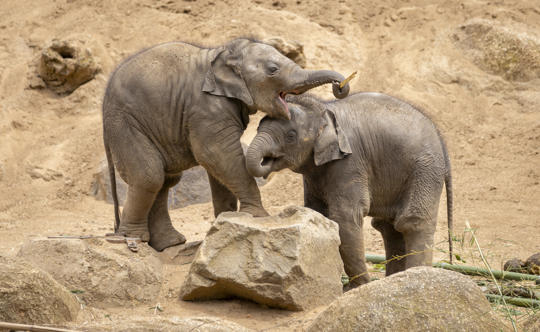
[
  {"x": 418, "y": 299},
  {"x": 290, "y": 261},
  {"x": 159, "y": 324},
  {"x": 193, "y": 187},
  {"x": 103, "y": 274},
  {"x": 30, "y": 296}
]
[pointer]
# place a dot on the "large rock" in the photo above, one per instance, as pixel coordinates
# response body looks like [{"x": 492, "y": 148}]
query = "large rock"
[
  {"x": 418, "y": 299},
  {"x": 103, "y": 274},
  {"x": 291, "y": 261},
  {"x": 159, "y": 324},
  {"x": 64, "y": 65},
  {"x": 503, "y": 51},
  {"x": 31, "y": 296}
]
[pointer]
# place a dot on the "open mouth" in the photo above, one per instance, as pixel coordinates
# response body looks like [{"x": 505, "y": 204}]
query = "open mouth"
[
  {"x": 268, "y": 162},
  {"x": 281, "y": 97}
]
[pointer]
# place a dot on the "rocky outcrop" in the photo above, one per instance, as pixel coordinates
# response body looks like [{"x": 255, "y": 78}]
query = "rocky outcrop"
[
  {"x": 63, "y": 66},
  {"x": 290, "y": 261},
  {"x": 503, "y": 51},
  {"x": 418, "y": 299},
  {"x": 31, "y": 296},
  {"x": 159, "y": 324},
  {"x": 103, "y": 274}
]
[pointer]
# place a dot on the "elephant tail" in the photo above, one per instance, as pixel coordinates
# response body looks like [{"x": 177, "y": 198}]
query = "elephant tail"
[
  {"x": 449, "y": 199},
  {"x": 112, "y": 176}
]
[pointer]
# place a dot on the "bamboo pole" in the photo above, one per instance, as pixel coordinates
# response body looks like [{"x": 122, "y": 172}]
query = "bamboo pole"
[
  {"x": 34, "y": 328},
  {"x": 519, "y": 301},
  {"x": 471, "y": 270}
]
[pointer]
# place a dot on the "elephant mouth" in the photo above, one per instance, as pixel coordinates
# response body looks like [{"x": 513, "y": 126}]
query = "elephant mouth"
[
  {"x": 283, "y": 103},
  {"x": 270, "y": 163}
]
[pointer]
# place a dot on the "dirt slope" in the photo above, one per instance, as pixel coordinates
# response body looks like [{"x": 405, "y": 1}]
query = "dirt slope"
[{"x": 472, "y": 65}]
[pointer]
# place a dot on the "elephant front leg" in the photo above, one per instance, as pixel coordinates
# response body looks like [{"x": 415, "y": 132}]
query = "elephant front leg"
[
  {"x": 217, "y": 148},
  {"x": 222, "y": 198},
  {"x": 162, "y": 232},
  {"x": 352, "y": 245}
]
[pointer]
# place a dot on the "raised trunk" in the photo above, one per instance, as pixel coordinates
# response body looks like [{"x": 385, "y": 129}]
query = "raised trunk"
[
  {"x": 310, "y": 79},
  {"x": 258, "y": 148}
]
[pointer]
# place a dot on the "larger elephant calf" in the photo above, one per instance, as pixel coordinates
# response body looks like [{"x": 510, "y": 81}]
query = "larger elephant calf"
[{"x": 174, "y": 106}]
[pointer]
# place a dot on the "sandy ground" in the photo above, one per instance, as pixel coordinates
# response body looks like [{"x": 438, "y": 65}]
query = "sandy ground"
[{"x": 411, "y": 49}]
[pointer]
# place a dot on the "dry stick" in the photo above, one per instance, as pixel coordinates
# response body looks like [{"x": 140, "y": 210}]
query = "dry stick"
[
  {"x": 35, "y": 328},
  {"x": 345, "y": 81},
  {"x": 492, "y": 276}
]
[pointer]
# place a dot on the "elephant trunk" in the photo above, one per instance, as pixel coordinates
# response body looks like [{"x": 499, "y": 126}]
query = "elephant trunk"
[
  {"x": 314, "y": 78},
  {"x": 259, "y": 148}
]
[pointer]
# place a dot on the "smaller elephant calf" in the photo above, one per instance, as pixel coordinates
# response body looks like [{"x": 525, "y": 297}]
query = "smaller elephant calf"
[{"x": 369, "y": 154}]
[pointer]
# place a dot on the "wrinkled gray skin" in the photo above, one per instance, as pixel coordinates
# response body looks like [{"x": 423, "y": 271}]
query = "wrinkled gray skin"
[
  {"x": 174, "y": 106},
  {"x": 366, "y": 155}
]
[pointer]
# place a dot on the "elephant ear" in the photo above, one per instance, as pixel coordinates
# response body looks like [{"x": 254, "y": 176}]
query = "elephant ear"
[
  {"x": 224, "y": 77},
  {"x": 331, "y": 144}
]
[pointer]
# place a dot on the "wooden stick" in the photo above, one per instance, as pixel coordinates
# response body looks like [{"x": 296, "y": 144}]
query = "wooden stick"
[{"x": 36, "y": 328}]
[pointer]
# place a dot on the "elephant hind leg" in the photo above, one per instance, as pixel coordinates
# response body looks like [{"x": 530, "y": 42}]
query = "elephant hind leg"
[
  {"x": 394, "y": 245},
  {"x": 162, "y": 232},
  {"x": 140, "y": 165}
]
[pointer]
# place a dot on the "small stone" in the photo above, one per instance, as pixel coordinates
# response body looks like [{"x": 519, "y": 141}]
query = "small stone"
[
  {"x": 514, "y": 265},
  {"x": 533, "y": 264}
]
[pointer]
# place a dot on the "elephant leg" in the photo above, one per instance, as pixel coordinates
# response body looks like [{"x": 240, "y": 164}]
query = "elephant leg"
[
  {"x": 418, "y": 219},
  {"x": 394, "y": 245},
  {"x": 216, "y": 146},
  {"x": 222, "y": 198},
  {"x": 418, "y": 244},
  {"x": 140, "y": 165},
  {"x": 352, "y": 244},
  {"x": 162, "y": 232}
]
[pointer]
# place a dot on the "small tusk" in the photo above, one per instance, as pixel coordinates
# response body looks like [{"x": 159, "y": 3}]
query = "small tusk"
[{"x": 345, "y": 81}]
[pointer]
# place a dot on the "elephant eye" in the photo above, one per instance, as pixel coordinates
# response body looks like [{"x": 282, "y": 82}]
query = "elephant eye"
[
  {"x": 272, "y": 69},
  {"x": 291, "y": 136}
]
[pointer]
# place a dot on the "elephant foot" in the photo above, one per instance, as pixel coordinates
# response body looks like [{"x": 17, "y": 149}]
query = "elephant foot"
[
  {"x": 165, "y": 237},
  {"x": 360, "y": 280},
  {"x": 135, "y": 230}
]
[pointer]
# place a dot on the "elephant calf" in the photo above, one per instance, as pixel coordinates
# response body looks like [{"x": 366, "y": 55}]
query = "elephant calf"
[
  {"x": 366, "y": 155},
  {"x": 175, "y": 105}
]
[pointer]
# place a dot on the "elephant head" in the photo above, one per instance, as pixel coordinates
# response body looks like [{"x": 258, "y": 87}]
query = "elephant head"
[
  {"x": 261, "y": 77},
  {"x": 312, "y": 137}
]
